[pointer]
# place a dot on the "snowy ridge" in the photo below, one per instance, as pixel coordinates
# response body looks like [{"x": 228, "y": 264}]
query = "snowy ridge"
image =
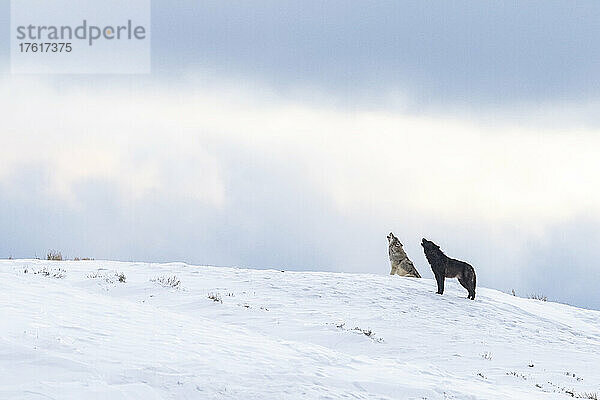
[{"x": 280, "y": 335}]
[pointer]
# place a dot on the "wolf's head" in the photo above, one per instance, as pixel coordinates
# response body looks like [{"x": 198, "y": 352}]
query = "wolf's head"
[
  {"x": 429, "y": 246},
  {"x": 393, "y": 240}
]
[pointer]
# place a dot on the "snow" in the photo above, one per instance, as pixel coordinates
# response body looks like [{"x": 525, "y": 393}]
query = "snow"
[{"x": 280, "y": 335}]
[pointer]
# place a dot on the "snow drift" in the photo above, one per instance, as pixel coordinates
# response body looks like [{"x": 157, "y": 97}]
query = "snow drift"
[{"x": 100, "y": 329}]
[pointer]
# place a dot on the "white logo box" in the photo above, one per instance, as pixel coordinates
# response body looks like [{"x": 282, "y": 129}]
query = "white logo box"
[{"x": 80, "y": 37}]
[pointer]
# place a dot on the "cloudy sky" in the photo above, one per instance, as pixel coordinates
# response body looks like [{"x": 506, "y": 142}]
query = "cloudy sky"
[{"x": 296, "y": 135}]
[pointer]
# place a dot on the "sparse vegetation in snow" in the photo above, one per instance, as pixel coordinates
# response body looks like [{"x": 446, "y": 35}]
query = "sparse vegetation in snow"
[
  {"x": 367, "y": 332},
  {"x": 121, "y": 277},
  {"x": 53, "y": 255},
  {"x": 171, "y": 281},
  {"x": 587, "y": 395},
  {"x": 536, "y": 296},
  {"x": 216, "y": 297},
  {"x": 108, "y": 277},
  {"x": 57, "y": 273}
]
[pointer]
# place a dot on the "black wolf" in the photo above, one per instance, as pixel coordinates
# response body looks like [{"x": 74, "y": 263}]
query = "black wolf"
[{"x": 446, "y": 267}]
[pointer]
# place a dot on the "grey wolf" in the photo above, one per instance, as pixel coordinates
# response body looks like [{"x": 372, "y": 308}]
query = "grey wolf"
[{"x": 401, "y": 265}]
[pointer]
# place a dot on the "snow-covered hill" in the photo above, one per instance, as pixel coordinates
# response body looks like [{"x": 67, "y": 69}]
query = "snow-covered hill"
[{"x": 72, "y": 330}]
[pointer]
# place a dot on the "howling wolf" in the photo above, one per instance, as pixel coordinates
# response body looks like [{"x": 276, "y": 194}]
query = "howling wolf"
[
  {"x": 446, "y": 267},
  {"x": 401, "y": 265}
]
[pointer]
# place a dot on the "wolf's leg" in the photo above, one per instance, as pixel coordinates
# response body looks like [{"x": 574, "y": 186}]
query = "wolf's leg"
[
  {"x": 410, "y": 268},
  {"x": 440, "y": 283},
  {"x": 465, "y": 283},
  {"x": 472, "y": 288},
  {"x": 469, "y": 283}
]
